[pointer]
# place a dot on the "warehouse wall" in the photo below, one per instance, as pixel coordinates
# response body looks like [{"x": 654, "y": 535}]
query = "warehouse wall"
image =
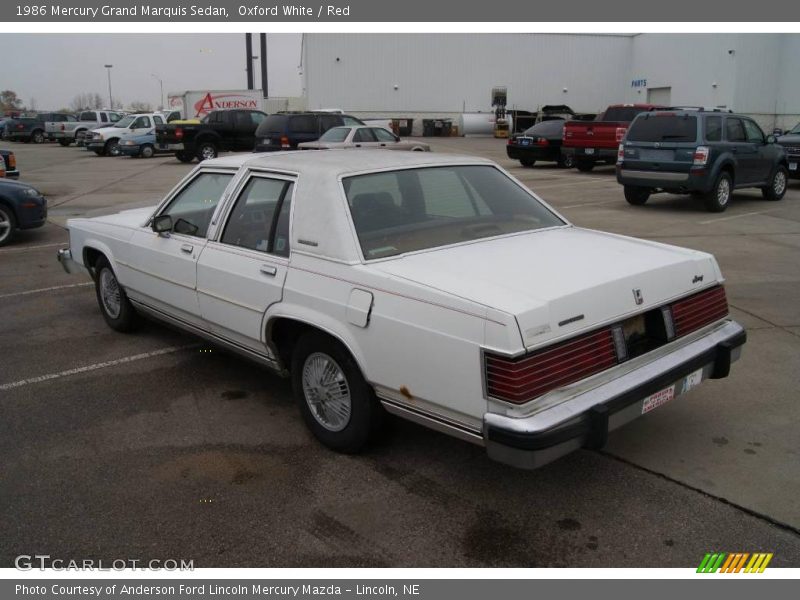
[{"x": 453, "y": 73}]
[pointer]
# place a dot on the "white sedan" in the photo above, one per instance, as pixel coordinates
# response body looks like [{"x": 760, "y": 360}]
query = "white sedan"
[
  {"x": 435, "y": 287},
  {"x": 363, "y": 137}
]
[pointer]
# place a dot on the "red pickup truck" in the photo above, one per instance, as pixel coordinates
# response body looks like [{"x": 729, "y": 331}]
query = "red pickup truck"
[{"x": 592, "y": 142}]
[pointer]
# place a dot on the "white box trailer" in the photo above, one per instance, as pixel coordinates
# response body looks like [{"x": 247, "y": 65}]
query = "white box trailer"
[{"x": 196, "y": 104}]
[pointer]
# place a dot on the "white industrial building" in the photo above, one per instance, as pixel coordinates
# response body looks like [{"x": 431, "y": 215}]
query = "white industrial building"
[{"x": 446, "y": 75}]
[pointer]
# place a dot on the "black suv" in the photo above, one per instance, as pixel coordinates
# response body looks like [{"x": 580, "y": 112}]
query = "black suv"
[
  {"x": 705, "y": 153},
  {"x": 791, "y": 143},
  {"x": 284, "y": 130}
]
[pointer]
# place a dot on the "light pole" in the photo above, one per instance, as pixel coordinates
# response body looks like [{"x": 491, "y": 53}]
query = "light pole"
[
  {"x": 110, "y": 99},
  {"x": 160, "y": 83}
]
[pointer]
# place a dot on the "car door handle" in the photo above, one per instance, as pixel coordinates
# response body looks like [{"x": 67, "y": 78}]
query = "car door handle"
[
  {"x": 187, "y": 248},
  {"x": 269, "y": 270},
  {"x": 358, "y": 145},
  {"x": 383, "y": 144}
]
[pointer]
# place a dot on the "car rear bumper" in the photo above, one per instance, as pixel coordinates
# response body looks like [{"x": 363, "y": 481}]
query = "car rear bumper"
[
  {"x": 695, "y": 180},
  {"x": 585, "y": 420},
  {"x": 130, "y": 150},
  {"x": 532, "y": 152},
  {"x": 165, "y": 147},
  {"x": 591, "y": 154}
]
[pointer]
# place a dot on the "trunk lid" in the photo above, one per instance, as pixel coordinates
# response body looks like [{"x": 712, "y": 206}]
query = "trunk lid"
[{"x": 560, "y": 281}]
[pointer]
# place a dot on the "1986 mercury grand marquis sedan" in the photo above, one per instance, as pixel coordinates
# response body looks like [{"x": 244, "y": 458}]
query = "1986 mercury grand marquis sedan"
[{"x": 431, "y": 286}]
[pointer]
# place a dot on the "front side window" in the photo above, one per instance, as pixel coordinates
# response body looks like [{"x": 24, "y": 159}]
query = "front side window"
[
  {"x": 734, "y": 130},
  {"x": 192, "y": 208},
  {"x": 126, "y": 122},
  {"x": 256, "y": 215},
  {"x": 416, "y": 209},
  {"x": 141, "y": 122},
  {"x": 753, "y": 132},
  {"x": 103, "y": 118}
]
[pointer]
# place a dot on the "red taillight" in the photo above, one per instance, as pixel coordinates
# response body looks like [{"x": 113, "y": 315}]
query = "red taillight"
[
  {"x": 62, "y": 127},
  {"x": 700, "y": 156},
  {"x": 542, "y": 142},
  {"x": 20, "y": 126},
  {"x": 510, "y": 141},
  {"x": 285, "y": 142},
  {"x": 699, "y": 310},
  {"x": 621, "y": 133},
  {"x": 519, "y": 380},
  {"x": 179, "y": 133},
  {"x": 12, "y": 161},
  {"x": 620, "y": 153}
]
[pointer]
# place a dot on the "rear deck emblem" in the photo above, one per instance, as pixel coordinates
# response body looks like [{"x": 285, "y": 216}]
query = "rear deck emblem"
[{"x": 637, "y": 296}]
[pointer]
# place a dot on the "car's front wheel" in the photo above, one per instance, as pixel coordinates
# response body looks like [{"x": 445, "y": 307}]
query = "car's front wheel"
[
  {"x": 777, "y": 184},
  {"x": 719, "y": 197},
  {"x": 117, "y": 310},
  {"x": 7, "y": 225},
  {"x": 37, "y": 137},
  {"x": 636, "y": 195},
  {"x": 147, "y": 151},
  {"x": 338, "y": 405},
  {"x": 112, "y": 148}
]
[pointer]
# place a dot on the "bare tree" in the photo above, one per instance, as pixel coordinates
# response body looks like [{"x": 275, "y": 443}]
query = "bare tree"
[
  {"x": 9, "y": 100},
  {"x": 141, "y": 107}
]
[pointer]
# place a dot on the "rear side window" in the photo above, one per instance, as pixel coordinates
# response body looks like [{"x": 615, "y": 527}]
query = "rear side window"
[
  {"x": 251, "y": 220},
  {"x": 364, "y": 135},
  {"x": 272, "y": 124},
  {"x": 328, "y": 121},
  {"x": 667, "y": 128},
  {"x": 303, "y": 124},
  {"x": 734, "y": 130},
  {"x": 88, "y": 116},
  {"x": 714, "y": 129}
]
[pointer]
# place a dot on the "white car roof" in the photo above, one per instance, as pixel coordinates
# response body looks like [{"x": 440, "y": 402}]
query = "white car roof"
[{"x": 320, "y": 212}]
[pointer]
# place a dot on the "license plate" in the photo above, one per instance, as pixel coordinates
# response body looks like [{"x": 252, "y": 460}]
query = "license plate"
[
  {"x": 692, "y": 380},
  {"x": 525, "y": 142},
  {"x": 589, "y": 151},
  {"x": 793, "y": 166}
]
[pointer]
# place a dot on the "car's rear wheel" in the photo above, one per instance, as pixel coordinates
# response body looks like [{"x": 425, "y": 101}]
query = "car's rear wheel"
[
  {"x": 64, "y": 142},
  {"x": 719, "y": 197},
  {"x": 206, "y": 151},
  {"x": 338, "y": 405},
  {"x": 777, "y": 184},
  {"x": 636, "y": 195},
  {"x": 147, "y": 151},
  {"x": 567, "y": 161},
  {"x": 184, "y": 157},
  {"x": 527, "y": 162},
  {"x": 37, "y": 137},
  {"x": 7, "y": 225},
  {"x": 584, "y": 165},
  {"x": 117, "y": 310}
]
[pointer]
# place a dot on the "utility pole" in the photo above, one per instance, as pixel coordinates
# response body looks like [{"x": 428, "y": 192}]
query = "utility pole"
[
  {"x": 160, "y": 83},
  {"x": 110, "y": 98},
  {"x": 248, "y": 47},
  {"x": 264, "y": 79}
]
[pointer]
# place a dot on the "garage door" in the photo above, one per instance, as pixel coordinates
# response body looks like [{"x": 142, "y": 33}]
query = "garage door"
[{"x": 660, "y": 95}]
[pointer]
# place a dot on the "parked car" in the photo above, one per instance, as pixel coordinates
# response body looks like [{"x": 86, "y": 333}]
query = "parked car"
[
  {"x": 310, "y": 262},
  {"x": 75, "y": 131},
  {"x": 704, "y": 153},
  {"x": 27, "y": 129},
  {"x": 284, "y": 131},
  {"x": 593, "y": 142},
  {"x": 21, "y": 207},
  {"x": 363, "y": 137},
  {"x": 542, "y": 142},
  {"x": 140, "y": 144},
  {"x": 104, "y": 141},
  {"x": 790, "y": 141},
  {"x": 9, "y": 164},
  {"x": 219, "y": 131},
  {"x": 56, "y": 124}
]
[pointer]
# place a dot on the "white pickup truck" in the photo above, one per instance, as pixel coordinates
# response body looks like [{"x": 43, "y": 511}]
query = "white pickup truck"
[{"x": 69, "y": 131}]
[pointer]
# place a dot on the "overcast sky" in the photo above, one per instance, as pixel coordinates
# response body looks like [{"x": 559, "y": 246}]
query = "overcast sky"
[{"x": 54, "y": 68}]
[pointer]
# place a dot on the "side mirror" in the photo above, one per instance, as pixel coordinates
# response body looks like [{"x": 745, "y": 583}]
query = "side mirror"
[
  {"x": 162, "y": 224},
  {"x": 771, "y": 139},
  {"x": 397, "y": 138}
]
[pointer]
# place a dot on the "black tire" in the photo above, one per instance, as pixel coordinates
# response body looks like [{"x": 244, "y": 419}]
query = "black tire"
[
  {"x": 8, "y": 225},
  {"x": 366, "y": 414},
  {"x": 206, "y": 151},
  {"x": 184, "y": 157},
  {"x": 567, "y": 161},
  {"x": 777, "y": 184},
  {"x": 111, "y": 148},
  {"x": 527, "y": 162},
  {"x": 636, "y": 195},
  {"x": 584, "y": 166},
  {"x": 718, "y": 199},
  {"x": 123, "y": 320},
  {"x": 64, "y": 142},
  {"x": 147, "y": 151},
  {"x": 37, "y": 136}
]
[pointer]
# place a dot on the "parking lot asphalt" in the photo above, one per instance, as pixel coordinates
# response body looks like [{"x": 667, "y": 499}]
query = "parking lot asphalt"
[{"x": 157, "y": 445}]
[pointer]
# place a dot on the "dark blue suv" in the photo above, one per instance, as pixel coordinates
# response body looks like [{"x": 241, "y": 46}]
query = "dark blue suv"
[{"x": 705, "y": 153}]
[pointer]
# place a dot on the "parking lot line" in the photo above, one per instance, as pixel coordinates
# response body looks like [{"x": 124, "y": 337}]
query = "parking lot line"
[
  {"x": 750, "y": 214},
  {"x": 47, "y": 289},
  {"x": 26, "y": 248},
  {"x": 94, "y": 367}
]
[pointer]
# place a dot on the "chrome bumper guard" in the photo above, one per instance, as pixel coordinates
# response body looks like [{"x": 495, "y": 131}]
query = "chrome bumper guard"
[
  {"x": 585, "y": 420},
  {"x": 66, "y": 260}
]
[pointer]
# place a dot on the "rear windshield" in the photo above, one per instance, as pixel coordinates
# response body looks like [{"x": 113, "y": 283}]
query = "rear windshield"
[
  {"x": 337, "y": 134},
  {"x": 655, "y": 128},
  {"x": 620, "y": 113},
  {"x": 546, "y": 128},
  {"x": 272, "y": 124},
  {"x": 414, "y": 209}
]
